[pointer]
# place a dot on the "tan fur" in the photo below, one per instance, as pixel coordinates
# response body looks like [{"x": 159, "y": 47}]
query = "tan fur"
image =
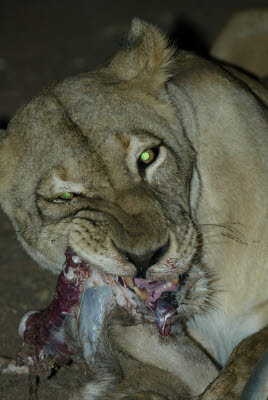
[
  {"x": 204, "y": 197},
  {"x": 134, "y": 362},
  {"x": 232, "y": 379},
  {"x": 244, "y": 41}
]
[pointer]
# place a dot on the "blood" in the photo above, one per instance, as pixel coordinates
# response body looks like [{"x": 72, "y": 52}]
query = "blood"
[
  {"x": 42, "y": 346},
  {"x": 44, "y": 343}
]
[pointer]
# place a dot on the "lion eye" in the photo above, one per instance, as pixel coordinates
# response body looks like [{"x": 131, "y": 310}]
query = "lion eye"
[
  {"x": 66, "y": 196},
  {"x": 148, "y": 156}
]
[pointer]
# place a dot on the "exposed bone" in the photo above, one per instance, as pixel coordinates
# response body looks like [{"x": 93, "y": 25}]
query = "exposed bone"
[
  {"x": 13, "y": 369},
  {"x": 22, "y": 325},
  {"x": 76, "y": 259}
]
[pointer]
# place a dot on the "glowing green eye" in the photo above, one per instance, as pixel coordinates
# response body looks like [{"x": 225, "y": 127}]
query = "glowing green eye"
[
  {"x": 147, "y": 156},
  {"x": 67, "y": 196}
]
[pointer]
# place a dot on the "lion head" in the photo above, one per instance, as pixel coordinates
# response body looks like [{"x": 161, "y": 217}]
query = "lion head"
[{"x": 105, "y": 163}]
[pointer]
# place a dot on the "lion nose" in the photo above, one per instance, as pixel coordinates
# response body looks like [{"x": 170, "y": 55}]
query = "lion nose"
[{"x": 145, "y": 261}]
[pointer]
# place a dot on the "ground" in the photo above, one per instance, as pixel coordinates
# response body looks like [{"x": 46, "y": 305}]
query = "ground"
[{"x": 45, "y": 41}]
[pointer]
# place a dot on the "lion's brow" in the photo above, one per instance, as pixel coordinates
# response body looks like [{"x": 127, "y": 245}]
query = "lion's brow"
[
  {"x": 67, "y": 116},
  {"x": 123, "y": 139}
]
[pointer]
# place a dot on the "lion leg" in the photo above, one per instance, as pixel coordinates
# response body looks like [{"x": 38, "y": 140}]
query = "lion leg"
[
  {"x": 151, "y": 383},
  {"x": 144, "y": 396},
  {"x": 145, "y": 382},
  {"x": 230, "y": 382},
  {"x": 120, "y": 373},
  {"x": 176, "y": 353}
]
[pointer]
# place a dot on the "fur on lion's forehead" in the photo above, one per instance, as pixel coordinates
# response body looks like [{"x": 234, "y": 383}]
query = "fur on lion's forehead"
[
  {"x": 105, "y": 110},
  {"x": 55, "y": 115}
]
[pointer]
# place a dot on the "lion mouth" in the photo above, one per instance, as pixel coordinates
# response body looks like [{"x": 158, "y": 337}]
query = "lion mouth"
[{"x": 158, "y": 296}]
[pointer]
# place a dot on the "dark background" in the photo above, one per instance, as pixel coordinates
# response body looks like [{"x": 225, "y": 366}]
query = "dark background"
[{"x": 42, "y": 41}]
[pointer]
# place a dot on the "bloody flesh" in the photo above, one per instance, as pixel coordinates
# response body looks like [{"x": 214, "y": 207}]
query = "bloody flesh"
[{"x": 43, "y": 342}]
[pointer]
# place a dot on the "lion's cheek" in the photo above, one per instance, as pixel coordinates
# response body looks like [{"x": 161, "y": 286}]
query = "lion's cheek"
[{"x": 94, "y": 245}]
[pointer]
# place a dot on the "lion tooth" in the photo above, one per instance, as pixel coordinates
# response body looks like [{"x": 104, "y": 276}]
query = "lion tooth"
[
  {"x": 129, "y": 281},
  {"x": 142, "y": 294},
  {"x": 137, "y": 291},
  {"x": 175, "y": 281}
]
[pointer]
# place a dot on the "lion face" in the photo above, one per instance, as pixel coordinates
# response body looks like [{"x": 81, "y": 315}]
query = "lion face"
[
  {"x": 104, "y": 166},
  {"x": 95, "y": 193}
]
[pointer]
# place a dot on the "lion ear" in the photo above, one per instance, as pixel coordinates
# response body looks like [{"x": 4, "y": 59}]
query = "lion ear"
[{"x": 144, "y": 56}]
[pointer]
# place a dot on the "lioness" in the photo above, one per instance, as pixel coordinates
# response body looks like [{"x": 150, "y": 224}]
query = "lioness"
[{"x": 154, "y": 167}]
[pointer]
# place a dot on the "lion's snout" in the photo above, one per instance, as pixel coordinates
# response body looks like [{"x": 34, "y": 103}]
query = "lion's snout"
[{"x": 143, "y": 262}]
